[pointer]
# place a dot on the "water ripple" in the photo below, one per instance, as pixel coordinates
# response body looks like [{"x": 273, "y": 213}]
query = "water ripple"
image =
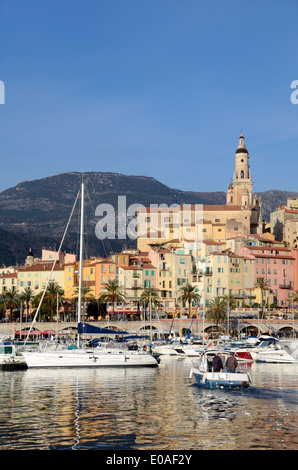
[{"x": 146, "y": 409}]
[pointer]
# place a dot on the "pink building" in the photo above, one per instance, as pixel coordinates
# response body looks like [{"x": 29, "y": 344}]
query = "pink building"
[{"x": 278, "y": 266}]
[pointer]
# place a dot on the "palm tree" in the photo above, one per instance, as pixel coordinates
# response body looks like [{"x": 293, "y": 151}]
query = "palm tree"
[
  {"x": 10, "y": 298},
  {"x": 149, "y": 297},
  {"x": 230, "y": 301},
  {"x": 86, "y": 295},
  {"x": 189, "y": 294},
  {"x": 217, "y": 311},
  {"x": 27, "y": 296},
  {"x": 263, "y": 285},
  {"x": 295, "y": 297},
  {"x": 112, "y": 293},
  {"x": 53, "y": 292}
]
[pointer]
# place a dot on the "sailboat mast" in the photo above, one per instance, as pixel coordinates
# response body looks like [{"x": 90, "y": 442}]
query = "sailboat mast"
[{"x": 81, "y": 259}]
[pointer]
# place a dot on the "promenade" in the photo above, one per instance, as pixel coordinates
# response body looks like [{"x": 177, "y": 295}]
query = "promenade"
[{"x": 160, "y": 325}]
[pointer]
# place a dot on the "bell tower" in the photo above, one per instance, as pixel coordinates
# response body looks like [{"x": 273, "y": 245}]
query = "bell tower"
[{"x": 240, "y": 191}]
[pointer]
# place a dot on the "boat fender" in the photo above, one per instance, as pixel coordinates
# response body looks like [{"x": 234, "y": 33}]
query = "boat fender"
[
  {"x": 145, "y": 348},
  {"x": 204, "y": 378},
  {"x": 249, "y": 377},
  {"x": 190, "y": 373}
]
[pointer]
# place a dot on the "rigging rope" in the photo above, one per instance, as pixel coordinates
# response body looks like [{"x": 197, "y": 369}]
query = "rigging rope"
[{"x": 54, "y": 263}]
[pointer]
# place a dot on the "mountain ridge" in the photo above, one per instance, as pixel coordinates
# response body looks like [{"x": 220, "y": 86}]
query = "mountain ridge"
[{"x": 38, "y": 209}]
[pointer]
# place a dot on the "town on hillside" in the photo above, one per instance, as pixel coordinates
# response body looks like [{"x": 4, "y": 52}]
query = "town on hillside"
[{"x": 237, "y": 256}]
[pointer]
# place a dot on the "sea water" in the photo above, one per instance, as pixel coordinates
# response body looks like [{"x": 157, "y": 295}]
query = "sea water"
[{"x": 147, "y": 409}]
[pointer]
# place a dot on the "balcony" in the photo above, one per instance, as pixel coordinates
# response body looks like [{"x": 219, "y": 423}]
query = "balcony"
[
  {"x": 206, "y": 271},
  {"x": 163, "y": 266},
  {"x": 288, "y": 286}
]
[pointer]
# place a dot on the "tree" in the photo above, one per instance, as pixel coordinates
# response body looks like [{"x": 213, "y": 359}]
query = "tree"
[
  {"x": 295, "y": 297},
  {"x": 230, "y": 302},
  {"x": 149, "y": 296},
  {"x": 27, "y": 296},
  {"x": 112, "y": 293},
  {"x": 188, "y": 295},
  {"x": 217, "y": 311},
  {"x": 263, "y": 285},
  {"x": 53, "y": 293},
  {"x": 10, "y": 298},
  {"x": 86, "y": 295}
]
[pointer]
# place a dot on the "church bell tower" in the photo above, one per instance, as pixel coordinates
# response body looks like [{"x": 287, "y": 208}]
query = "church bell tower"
[{"x": 240, "y": 191}]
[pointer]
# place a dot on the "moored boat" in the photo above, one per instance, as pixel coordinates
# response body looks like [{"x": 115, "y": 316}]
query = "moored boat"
[{"x": 9, "y": 358}]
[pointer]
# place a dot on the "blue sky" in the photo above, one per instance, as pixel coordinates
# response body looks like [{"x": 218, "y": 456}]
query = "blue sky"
[{"x": 160, "y": 88}]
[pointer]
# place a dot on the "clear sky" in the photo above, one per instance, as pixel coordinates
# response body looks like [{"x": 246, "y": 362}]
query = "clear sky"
[{"x": 160, "y": 88}]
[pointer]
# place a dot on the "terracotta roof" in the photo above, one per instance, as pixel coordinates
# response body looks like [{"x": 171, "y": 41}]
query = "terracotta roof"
[
  {"x": 41, "y": 267},
  {"x": 267, "y": 248},
  {"x": 11, "y": 275}
]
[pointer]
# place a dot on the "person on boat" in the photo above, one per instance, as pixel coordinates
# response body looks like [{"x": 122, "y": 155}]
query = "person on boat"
[
  {"x": 231, "y": 363},
  {"x": 217, "y": 364}
]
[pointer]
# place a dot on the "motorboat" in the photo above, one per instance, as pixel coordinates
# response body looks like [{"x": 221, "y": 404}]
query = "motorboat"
[
  {"x": 190, "y": 350},
  {"x": 10, "y": 359},
  {"x": 290, "y": 345},
  {"x": 271, "y": 350},
  {"x": 165, "y": 349},
  {"x": 207, "y": 378}
]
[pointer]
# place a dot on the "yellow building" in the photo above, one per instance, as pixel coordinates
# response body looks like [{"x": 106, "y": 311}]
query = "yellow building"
[
  {"x": 71, "y": 277},
  {"x": 37, "y": 276},
  {"x": 240, "y": 216}
]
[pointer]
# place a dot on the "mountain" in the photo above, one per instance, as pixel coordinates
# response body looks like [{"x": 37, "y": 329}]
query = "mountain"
[{"x": 35, "y": 213}]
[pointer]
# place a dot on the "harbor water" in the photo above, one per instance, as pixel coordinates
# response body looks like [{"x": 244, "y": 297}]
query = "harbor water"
[{"x": 147, "y": 409}]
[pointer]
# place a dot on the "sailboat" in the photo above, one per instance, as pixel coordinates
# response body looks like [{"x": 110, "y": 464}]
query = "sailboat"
[{"x": 86, "y": 357}]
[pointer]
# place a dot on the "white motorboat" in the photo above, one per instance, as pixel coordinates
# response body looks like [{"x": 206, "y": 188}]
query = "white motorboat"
[
  {"x": 207, "y": 378},
  {"x": 165, "y": 349},
  {"x": 81, "y": 357},
  {"x": 190, "y": 350},
  {"x": 9, "y": 358},
  {"x": 271, "y": 350},
  {"x": 290, "y": 345}
]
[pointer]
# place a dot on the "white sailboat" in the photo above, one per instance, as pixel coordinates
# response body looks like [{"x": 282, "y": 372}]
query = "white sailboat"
[{"x": 87, "y": 357}]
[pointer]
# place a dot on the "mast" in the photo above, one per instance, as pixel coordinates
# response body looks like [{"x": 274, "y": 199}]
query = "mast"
[{"x": 81, "y": 261}]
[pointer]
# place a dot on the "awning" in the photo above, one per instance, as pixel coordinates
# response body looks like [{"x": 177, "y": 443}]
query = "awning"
[{"x": 25, "y": 332}]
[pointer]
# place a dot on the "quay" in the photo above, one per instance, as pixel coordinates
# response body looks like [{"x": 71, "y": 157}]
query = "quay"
[{"x": 286, "y": 326}]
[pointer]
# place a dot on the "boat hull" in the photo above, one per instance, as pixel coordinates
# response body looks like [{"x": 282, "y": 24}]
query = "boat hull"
[
  {"x": 221, "y": 379},
  {"x": 13, "y": 363},
  {"x": 77, "y": 358},
  {"x": 278, "y": 357}
]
